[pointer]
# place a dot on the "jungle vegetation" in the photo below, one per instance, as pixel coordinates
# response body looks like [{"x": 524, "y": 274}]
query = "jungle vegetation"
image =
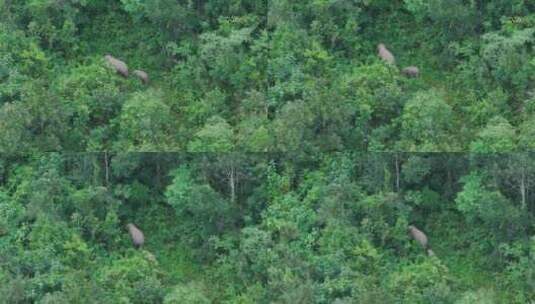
[
  {"x": 262, "y": 228},
  {"x": 268, "y": 151},
  {"x": 259, "y": 76}
]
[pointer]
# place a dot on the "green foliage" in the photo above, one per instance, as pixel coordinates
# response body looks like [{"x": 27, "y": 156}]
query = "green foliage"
[
  {"x": 205, "y": 212},
  {"x": 507, "y": 60},
  {"x": 132, "y": 279},
  {"x": 287, "y": 81},
  {"x": 20, "y": 54},
  {"x": 478, "y": 296},
  {"x": 520, "y": 276},
  {"x": 276, "y": 75},
  {"x": 425, "y": 123},
  {"x": 11, "y": 212},
  {"x": 190, "y": 293},
  {"x": 422, "y": 282},
  {"x": 145, "y": 123},
  {"x": 497, "y": 136},
  {"x": 324, "y": 229},
  {"x": 216, "y": 136},
  {"x": 15, "y": 120},
  {"x": 477, "y": 202},
  {"x": 526, "y": 134},
  {"x": 415, "y": 169}
]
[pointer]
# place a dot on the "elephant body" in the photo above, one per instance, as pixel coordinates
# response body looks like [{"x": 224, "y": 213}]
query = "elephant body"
[
  {"x": 411, "y": 71},
  {"x": 385, "y": 54},
  {"x": 118, "y": 65},
  {"x": 421, "y": 238},
  {"x": 138, "y": 239},
  {"x": 142, "y": 75}
]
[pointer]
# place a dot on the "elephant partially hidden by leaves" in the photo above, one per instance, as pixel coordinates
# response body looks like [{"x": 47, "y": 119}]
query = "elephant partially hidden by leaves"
[
  {"x": 385, "y": 54},
  {"x": 421, "y": 238},
  {"x": 138, "y": 239},
  {"x": 411, "y": 71},
  {"x": 142, "y": 75},
  {"x": 118, "y": 65}
]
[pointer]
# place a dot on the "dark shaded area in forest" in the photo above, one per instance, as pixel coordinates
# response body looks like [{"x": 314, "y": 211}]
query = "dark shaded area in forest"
[{"x": 265, "y": 228}]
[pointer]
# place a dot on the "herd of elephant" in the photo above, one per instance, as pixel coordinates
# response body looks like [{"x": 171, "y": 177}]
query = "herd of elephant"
[
  {"x": 138, "y": 239},
  {"x": 386, "y": 56},
  {"x": 122, "y": 69}
]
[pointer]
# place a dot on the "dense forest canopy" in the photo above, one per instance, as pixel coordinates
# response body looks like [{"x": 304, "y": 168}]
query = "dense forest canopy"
[
  {"x": 267, "y": 151},
  {"x": 267, "y": 76},
  {"x": 259, "y": 228}
]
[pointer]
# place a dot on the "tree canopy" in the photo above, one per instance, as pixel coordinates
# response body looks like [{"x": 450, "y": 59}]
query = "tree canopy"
[
  {"x": 275, "y": 151},
  {"x": 260, "y": 228},
  {"x": 266, "y": 76}
]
